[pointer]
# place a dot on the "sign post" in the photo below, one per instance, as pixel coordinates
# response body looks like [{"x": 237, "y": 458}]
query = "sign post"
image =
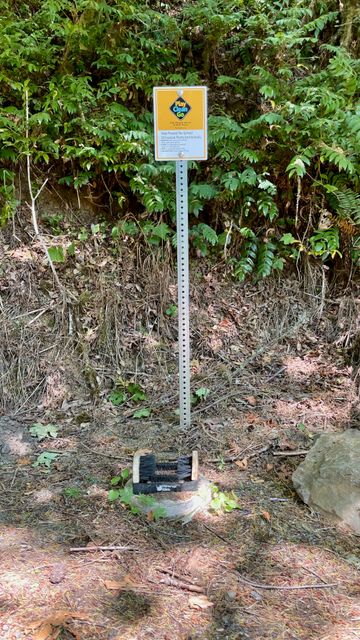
[{"x": 180, "y": 125}]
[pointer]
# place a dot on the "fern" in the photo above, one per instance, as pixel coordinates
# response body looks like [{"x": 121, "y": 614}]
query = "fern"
[
  {"x": 246, "y": 264},
  {"x": 348, "y": 205},
  {"x": 265, "y": 259}
]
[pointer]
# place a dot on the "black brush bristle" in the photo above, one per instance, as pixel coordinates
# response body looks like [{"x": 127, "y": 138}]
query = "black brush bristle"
[
  {"x": 184, "y": 467},
  {"x": 167, "y": 466},
  {"x": 147, "y": 467}
]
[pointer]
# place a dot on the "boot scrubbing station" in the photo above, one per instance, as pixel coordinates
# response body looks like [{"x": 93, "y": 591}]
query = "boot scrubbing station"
[{"x": 180, "y": 126}]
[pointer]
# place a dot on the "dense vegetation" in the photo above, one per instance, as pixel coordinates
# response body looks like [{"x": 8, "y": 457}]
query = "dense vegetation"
[{"x": 284, "y": 86}]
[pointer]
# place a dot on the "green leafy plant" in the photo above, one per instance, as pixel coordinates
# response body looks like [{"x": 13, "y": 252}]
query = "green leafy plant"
[
  {"x": 172, "y": 310},
  {"x": 302, "y": 427},
  {"x": 200, "y": 395},
  {"x": 42, "y": 431},
  {"x": 45, "y": 459},
  {"x": 127, "y": 392},
  {"x": 325, "y": 243},
  {"x": 56, "y": 254},
  {"x": 117, "y": 398},
  {"x": 223, "y": 502},
  {"x": 120, "y": 480},
  {"x": 7, "y": 195},
  {"x": 126, "y": 496},
  {"x": 72, "y": 492},
  {"x": 137, "y": 393},
  {"x": 142, "y": 413}
]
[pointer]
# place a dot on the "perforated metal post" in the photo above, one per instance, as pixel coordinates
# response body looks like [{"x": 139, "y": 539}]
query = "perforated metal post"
[{"x": 183, "y": 289}]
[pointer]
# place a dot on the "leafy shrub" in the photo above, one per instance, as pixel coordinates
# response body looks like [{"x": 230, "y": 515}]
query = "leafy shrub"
[{"x": 284, "y": 129}]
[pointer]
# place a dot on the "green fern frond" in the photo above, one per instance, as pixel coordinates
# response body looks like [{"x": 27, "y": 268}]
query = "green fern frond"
[
  {"x": 266, "y": 258},
  {"x": 348, "y": 205},
  {"x": 246, "y": 264}
]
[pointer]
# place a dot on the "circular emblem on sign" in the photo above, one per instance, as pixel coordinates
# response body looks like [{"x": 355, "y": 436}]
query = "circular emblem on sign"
[{"x": 180, "y": 108}]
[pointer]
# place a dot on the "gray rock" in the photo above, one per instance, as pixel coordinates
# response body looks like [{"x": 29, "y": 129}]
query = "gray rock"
[
  {"x": 15, "y": 440},
  {"x": 329, "y": 477}
]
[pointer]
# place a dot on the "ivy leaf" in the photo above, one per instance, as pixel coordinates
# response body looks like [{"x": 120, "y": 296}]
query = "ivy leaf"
[
  {"x": 288, "y": 238},
  {"x": 137, "y": 392},
  {"x": 113, "y": 495},
  {"x": 56, "y": 254},
  {"x": 42, "y": 431},
  {"x": 142, "y": 413},
  {"x": 202, "y": 393},
  {"x": 117, "y": 398},
  {"x": 45, "y": 459}
]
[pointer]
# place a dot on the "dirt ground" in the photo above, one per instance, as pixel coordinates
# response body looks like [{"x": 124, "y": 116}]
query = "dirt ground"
[{"x": 275, "y": 361}]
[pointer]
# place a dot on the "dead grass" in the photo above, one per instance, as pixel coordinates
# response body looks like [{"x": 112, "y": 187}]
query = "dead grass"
[{"x": 274, "y": 358}]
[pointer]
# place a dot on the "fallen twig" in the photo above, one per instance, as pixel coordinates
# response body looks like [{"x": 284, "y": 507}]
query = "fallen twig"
[
  {"x": 295, "y": 587},
  {"x": 28, "y": 313},
  {"x": 30, "y": 396},
  {"x": 111, "y": 548},
  {"x": 41, "y": 313},
  {"x": 173, "y": 582},
  {"x": 241, "y": 455},
  {"x": 215, "y": 533},
  {"x": 300, "y": 452},
  {"x": 101, "y": 453}
]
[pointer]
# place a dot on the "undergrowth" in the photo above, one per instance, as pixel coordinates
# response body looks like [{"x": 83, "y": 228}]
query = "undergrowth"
[{"x": 284, "y": 125}]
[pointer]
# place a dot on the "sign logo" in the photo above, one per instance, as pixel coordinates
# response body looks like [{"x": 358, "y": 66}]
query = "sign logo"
[{"x": 180, "y": 108}]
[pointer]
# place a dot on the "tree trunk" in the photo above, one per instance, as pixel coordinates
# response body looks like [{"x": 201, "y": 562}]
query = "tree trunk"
[{"x": 350, "y": 18}]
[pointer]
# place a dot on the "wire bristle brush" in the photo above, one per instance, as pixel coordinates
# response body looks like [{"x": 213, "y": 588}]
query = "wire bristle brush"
[{"x": 150, "y": 476}]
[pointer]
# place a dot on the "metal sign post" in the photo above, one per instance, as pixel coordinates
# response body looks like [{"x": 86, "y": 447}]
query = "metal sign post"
[
  {"x": 183, "y": 290},
  {"x": 180, "y": 125}
]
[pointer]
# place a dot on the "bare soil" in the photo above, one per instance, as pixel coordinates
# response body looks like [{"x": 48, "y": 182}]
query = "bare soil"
[{"x": 277, "y": 360}]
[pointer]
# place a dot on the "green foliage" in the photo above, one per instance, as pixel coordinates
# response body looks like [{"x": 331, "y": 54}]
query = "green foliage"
[
  {"x": 199, "y": 395},
  {"x": 203, "y": 236},
  {"x": 7, "y": 196},
  {"x": 56, "y": 254},
  {"x": 117, "y": 397},
  {"x": 202, "y": 393},
  {"x": 42, "y": 431},
  {"x": 121, "y": 479},
  {"x": 223, "y": 502},
  {"x": 284, "y": 127},
  {"x": 72, "y": 492},
  {"x": 142, "y": 413},
  {"x": 126, "y": 392},
  {"x": 172, "y": 310},
  {"x": 126, "y": 496},
  {"x": 348, "y": 205},
  {"x": 45, "y": 459},
  {"x": 325, "y": 243}
]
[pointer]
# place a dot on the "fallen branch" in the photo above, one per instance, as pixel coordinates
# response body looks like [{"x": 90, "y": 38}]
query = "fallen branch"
[
  {"x": 172, "y": 582},
  {"x": 90, "y": 549},
  {"x": 295, "y": 587}
]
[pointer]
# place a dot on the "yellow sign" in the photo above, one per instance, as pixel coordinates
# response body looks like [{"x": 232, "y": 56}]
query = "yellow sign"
[{"x": 180, "y": 123}]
